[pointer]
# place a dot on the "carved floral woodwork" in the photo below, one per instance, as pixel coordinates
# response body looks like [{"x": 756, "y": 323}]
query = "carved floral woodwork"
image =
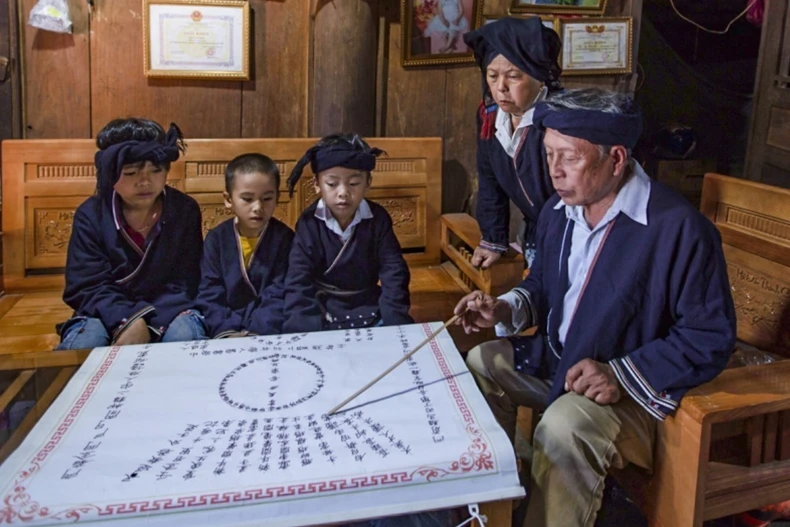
[
  {"x": 307, "y": 190},
  {"x": 213, "y": 215},
  {"x": 404, "y": 214},
  {"x": 281, "y": 213},
  {"x": 762, "y": 303},
  {"x": 52, "y": 231}
]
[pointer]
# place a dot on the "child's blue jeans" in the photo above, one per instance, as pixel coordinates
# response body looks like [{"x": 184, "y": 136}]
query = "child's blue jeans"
[{"x": 88, "y": 333}]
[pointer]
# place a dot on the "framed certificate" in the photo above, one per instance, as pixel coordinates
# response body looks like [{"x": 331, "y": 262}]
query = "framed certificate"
[
  {"x": 596, "y": 46},
  {"x": 550, "y": 21},
  {"x": 585, "y": 7},
  {"x": 197, "y": 39}
]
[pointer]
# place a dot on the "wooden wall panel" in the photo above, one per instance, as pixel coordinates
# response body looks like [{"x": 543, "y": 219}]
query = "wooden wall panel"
[
  {"x": 337, "y": 69},
  {"x": 120, "y": 89},
  {"x": 343, "y": 62},
  {"x": 274, "y": 102},
  {"x": 56, "y": 76},
  {"x": 6, "y": 106},
  {"x": 6, "y": 95},
  {"x": 414, "y": 106}
]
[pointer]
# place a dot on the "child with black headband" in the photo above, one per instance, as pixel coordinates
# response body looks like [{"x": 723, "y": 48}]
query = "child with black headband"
[
  {"x": 133, "y": 263},
  {"x": 344, "y": 246}
]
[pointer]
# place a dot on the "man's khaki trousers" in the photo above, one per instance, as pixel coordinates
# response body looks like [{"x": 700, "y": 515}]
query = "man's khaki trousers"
[{"x": 576, "y": 442}]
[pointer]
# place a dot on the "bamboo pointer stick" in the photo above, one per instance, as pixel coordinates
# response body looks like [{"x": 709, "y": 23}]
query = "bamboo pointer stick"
[{"x": 398, "y": 363}]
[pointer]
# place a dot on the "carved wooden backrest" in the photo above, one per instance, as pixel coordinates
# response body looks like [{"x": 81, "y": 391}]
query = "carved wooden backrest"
[
  {"x": 754, "y": 221},
  {"x": 45, "y": 180}
]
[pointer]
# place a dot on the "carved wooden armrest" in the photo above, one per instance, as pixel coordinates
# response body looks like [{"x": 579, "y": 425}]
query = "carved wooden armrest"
[
  {"x": 460, "y": 236},
  {"x": 740, "y": 393}
]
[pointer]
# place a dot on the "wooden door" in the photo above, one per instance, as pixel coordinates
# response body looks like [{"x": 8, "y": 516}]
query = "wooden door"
[{"x": 768, "y": 153}]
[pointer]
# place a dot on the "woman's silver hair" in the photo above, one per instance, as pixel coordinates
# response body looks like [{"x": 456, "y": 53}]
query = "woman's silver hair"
[{"x": 595, "y": 99}]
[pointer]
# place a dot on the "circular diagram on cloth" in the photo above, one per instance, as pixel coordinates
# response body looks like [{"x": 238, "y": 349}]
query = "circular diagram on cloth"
[{"x": 272, "y": 383}]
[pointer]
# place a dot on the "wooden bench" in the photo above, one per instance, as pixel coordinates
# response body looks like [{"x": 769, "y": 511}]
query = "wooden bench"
[
  {"x": 727, "y": 449},
  {"x": 45, "y": 180}
]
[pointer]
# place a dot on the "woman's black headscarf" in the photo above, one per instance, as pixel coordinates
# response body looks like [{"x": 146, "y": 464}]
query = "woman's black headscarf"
[
  {"x": 527, "y": 43},
  {"x": 110, "y": 161}
]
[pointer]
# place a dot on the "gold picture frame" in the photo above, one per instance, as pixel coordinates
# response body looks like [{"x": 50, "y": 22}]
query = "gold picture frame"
[
  {"x": 428, "y": 38},
  {"x": 597, "y": 46},
  {"x": 196, "y": 39},
  {"x": 579, "y": 7},
  {"x": 548, "y": 20}
]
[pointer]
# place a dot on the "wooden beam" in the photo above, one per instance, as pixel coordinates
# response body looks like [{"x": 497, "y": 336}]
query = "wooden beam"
[
  {"x": 36, "y": 412},
  {"x": 754, "y": 439},
  {"x": 343, "y": 84},
  {"x": 770, "y": 433},
  {"x": 498, "y": 513},
  {"x": 45, "y": 359},
  {"x": 19, "y": 383}
]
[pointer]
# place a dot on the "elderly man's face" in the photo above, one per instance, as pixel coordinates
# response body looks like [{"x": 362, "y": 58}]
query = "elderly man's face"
[
  {"x": 580, "y": 175},
  {"x": 513, "y": 90}
]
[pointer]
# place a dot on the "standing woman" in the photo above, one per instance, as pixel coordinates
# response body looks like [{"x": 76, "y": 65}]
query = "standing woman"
[{"x": 518, "y": 59}]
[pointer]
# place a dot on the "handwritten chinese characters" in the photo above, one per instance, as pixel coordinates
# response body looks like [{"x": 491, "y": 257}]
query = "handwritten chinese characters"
[
  {"x": 267, "y": 375},
  {"x": 268, "y": 445},
  {"x": 90, "y": 450},
  {"x": 425, "y": 400}
]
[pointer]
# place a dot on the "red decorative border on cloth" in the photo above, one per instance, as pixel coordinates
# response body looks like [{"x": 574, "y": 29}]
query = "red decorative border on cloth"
[{"x": 20, "y": 506}]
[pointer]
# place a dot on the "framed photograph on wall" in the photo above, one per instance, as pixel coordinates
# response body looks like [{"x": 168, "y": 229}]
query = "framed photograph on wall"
[
  {"x": 549, "y": 21},
  {"x": 196, "y": 39},
  {"x": 596, "y": 46},
  {"x": 585, "y": 7},
  {"x": 432, "y": 31}
]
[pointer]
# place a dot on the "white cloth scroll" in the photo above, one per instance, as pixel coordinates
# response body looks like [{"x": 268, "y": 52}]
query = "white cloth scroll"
[{"x": 235, "y": 432}]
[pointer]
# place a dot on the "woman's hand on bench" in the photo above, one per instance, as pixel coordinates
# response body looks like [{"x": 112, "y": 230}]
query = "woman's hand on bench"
[{"x": 484, "y": 258}]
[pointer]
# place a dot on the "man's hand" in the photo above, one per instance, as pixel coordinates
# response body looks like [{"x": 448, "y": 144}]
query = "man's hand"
[
  {"x": 485, "y": 258},
  {"x": 481, "y": 311},
  {"x": 135, "y": 333},
  {"x": 594, "y": 380}
]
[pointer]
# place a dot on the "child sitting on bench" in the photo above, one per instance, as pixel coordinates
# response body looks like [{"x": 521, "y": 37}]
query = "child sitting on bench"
[
  {"x": 245, "y": 258},
  {"x": 133, "y": 263}
]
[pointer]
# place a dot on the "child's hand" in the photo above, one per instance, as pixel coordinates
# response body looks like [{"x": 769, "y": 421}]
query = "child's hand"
[
  {"x": 236, "y": 335},
  {"x": 135, "y": 333}
]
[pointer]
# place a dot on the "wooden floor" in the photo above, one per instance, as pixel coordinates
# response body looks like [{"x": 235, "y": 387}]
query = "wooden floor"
[{"x": 27, "y": 322}]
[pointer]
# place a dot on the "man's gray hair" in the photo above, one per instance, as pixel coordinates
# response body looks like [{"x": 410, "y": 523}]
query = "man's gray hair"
[{"x": 595, "y": 99}]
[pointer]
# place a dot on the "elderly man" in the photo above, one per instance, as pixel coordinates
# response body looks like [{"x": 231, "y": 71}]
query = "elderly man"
[{"x": 630, "y": 296}]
